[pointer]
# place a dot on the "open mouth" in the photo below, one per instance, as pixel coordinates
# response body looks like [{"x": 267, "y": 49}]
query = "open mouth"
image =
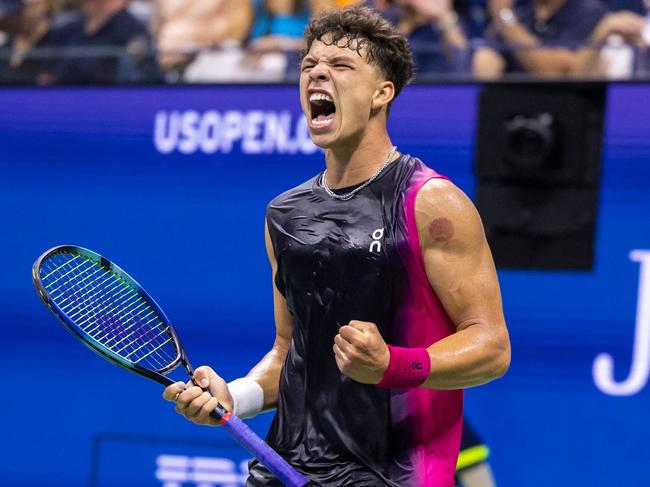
[{"x": 322, "y": 109}]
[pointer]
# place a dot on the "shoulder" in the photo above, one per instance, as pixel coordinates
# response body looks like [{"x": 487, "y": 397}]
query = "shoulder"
[
  {"x": 584, "y": 15},
  {"x": 444, "y": 214},
  {"x": 439, "y": 195},
  {"x": 292, "y": 195}
]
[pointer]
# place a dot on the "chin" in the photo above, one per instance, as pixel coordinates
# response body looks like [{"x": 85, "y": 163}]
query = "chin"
[{"x": 323, "y": 142}]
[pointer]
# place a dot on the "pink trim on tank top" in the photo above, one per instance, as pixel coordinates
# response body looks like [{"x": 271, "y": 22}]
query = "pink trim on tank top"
[
  {"x": 411, "y": 224},
  {"x": 435, "y": 417}
]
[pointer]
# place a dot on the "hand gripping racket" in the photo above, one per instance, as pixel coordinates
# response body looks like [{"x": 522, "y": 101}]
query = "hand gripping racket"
[{"x": 111, "y": 314}]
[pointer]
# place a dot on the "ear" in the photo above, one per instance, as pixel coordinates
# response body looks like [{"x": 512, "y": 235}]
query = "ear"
[{"x": 383, "y": 95}]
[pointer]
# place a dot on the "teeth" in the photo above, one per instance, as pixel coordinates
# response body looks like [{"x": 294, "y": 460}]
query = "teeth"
[{"x": 320, "y": 96}]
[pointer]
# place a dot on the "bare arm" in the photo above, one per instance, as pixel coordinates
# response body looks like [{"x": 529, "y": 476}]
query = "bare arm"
[
  {"x": 534, "y": 58},
  {"x": 627, "y": 25},
  {"x": 461, "y": 271},
  {"x": 197, "y": 405},
  {"x": 526, "y": 47},
  {"x": 235, "y": 21},
  {"x": 441, "y": 14},
  {"x": 267, "y": 372}
]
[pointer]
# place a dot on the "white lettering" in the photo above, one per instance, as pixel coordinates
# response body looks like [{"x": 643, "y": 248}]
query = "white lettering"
[
  {"x": 252, "y": 128},
  {"x": 270, "y": 132},
  {"x": 255, "y": 132},
  {"x": 232, "y": 130},
  {"x": 209, "y": 132},
  {"x": 284, "y": 142},
  {"x": 179, "y": 470},
  {"x": 166, "y": 140},
  {"x": 375, "y": 245},
  {"x": 603, "y": 367},
  {"x": 189, "y": 142}
]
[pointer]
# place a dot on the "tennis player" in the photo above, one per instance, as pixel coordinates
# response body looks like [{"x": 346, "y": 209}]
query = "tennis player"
[{"x": 386, "y": 298}]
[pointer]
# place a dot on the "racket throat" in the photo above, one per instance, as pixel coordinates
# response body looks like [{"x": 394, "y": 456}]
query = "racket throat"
[{"x": 190, "y": 371}]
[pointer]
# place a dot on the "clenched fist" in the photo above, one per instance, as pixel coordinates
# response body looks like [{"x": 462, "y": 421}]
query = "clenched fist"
[{"x": 361, "y": 352}]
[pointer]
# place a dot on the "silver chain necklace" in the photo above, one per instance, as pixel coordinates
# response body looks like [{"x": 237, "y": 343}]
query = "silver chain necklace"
[{"x": 348, "y": 196}]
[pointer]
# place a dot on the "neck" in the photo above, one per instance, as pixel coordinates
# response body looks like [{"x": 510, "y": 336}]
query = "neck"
[{"x": 353, "y": 164}]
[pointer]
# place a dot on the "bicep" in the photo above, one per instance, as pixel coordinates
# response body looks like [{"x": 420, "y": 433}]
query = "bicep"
[
  {"x": 457, "y": 258},
  {"x": 283, "y": 318},
  {"x": 267, "y": 371}
]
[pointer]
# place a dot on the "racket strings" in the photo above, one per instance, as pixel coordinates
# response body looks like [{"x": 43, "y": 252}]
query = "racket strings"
[
  {"x": 108, "y": 329},
  {"x": 109, "y": 310},
  {"x": 83, "y": 316}
]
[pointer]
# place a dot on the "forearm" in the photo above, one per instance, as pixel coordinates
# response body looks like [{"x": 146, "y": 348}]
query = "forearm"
[
  {"x": 588, "y": 62},
  {"x": 534, "y": 58},
  {"x": 472, "y": 356},
  {"x": 267, "y": 374},
  {"x": 450, "y": 31},
  {"x": 239, "y": 19}
]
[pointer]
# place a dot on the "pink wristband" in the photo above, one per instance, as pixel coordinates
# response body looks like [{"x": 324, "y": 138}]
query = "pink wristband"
[{"x": 408, "y": 368}]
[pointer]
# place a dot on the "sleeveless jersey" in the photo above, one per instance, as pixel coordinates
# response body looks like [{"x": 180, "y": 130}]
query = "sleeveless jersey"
[{"x": 360, "y": 259}]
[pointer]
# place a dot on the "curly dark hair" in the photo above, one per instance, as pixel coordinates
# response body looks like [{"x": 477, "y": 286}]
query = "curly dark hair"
[{"x": 359, "y": 27}]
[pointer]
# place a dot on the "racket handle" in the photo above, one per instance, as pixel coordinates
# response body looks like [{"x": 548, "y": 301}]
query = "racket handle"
[{"x": 257, "y": 447}]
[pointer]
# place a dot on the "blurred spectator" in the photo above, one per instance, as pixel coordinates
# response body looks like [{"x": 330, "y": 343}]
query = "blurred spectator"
[
  {"x": 277, "y": 35},
  {"x": 434, "y": 31},
  {"x": 26, "y": 26},
  {"x": 539, "y": 37},
  {"x": 105, "y": 45},
  {"x": 279, "y": 23},
  {"x": 635, "y": 6},
  {"x": 272, "y": 49},
  {"x": 611, "y": 52},
  {"x": 185, "y": 28}
]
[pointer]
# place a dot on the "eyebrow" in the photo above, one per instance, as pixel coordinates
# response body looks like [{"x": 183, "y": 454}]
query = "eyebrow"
[
  {"x": 334, "y": 60},
  {"x": 337, "y": 59}
]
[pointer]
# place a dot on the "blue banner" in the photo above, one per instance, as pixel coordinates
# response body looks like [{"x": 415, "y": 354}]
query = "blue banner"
[{"x": 172, "y": 184}]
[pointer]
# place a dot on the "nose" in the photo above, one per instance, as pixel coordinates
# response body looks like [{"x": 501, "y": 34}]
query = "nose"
[{"x": 319, "y": 73}]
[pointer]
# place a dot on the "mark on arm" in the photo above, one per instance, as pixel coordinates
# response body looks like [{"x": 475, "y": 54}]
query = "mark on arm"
[{"x": 441, "y": 230}]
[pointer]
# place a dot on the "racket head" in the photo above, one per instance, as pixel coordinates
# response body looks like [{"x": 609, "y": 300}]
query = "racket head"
[{"x": 108, "y": 311}]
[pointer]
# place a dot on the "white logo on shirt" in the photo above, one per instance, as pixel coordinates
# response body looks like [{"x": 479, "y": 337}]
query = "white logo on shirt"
[{"x": 377, "y": 235}]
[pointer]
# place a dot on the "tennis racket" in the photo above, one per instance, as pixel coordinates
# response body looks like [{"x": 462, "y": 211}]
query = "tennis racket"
[{"x": 111, "y": 314}]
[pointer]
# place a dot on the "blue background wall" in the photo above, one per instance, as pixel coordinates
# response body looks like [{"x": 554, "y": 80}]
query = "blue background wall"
[{"x": 84, "y": 166}]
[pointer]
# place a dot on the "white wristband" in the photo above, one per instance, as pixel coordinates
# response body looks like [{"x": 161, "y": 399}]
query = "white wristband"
[{"x": 247, "y": 396}]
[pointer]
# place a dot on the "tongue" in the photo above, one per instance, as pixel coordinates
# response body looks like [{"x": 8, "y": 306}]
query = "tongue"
[{"x": 323, "y": 118}]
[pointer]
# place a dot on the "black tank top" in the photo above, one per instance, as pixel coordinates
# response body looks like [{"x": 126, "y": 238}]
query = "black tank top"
[{"x": 339, "y": 261}]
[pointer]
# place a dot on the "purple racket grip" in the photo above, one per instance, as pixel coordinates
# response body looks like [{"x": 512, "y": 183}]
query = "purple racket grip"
[{"x": 263, "y": 452}]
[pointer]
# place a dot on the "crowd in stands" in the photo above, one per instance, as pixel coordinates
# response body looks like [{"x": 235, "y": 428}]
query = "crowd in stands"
[{"x": 201, "y": 41}]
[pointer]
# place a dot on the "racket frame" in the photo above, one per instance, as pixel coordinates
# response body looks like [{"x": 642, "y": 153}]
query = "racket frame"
[
  {"x": 231, "y": 423},
  {"x": 106, "y": 353}
]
